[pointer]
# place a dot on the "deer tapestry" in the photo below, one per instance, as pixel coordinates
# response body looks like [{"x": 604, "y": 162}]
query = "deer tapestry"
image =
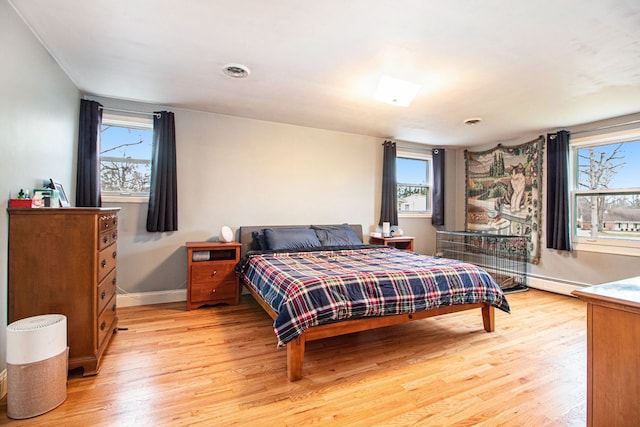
[{"x": 504, "y": 192}]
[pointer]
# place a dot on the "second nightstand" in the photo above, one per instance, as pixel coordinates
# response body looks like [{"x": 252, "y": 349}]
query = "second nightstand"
[
  {"x": 210, "y": 277},
  {"x": 401, "y": 242}
]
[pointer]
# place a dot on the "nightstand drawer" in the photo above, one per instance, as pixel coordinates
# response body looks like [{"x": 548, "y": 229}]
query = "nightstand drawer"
[
  {"x": 214, "y": 290},
  {"x": 212, "y": 272}
]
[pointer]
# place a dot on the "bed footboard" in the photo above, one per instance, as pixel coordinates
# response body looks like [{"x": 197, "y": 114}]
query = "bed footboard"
[{"x": 296, "y": 348}]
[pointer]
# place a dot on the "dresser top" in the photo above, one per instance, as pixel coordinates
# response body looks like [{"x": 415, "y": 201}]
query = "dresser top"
[
  {"x": 626, "y": 291},
  {"x": 54, "y": 211}
]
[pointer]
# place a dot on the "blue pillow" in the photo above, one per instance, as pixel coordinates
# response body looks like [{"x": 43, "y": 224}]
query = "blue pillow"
[
  {"x": 336, "y": 235},
  {"x": 291, "y": 238},
  {"x": 259, "y": 241}
]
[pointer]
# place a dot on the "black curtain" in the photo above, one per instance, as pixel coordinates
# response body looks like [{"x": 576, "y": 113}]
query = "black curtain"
[
  {"x": 163, "y": 194},
  {"x": 88, "y": 166},
  {"x": 437, "y": 214},
  {"x": 389, "y": 208},
  {"x": 558, "y": 221}
]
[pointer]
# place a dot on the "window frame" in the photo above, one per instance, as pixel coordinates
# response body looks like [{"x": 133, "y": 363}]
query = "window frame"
[
  {"x": 417, "y": 155},
  {"x": 617, "y": 246},
  {"x": 131, "y": 122}
]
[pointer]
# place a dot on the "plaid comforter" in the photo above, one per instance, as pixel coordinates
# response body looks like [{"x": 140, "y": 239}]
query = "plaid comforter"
[{"x": 310, "y": 288}]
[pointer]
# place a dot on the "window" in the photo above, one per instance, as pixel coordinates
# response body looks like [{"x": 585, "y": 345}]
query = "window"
[
  {"x": 125, "y": 156},
  {"x": 606, "y": 190},
  {"x": 413, "y": 175}
]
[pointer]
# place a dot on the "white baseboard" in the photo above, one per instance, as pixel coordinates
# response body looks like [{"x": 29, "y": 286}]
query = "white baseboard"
[
  {"x": 3, "y": 384},
  {"x": 146, "y": 298},
  {"x": 553, "y": 286}
]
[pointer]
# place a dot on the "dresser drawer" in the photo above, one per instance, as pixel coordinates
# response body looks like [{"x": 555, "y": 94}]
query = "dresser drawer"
[
  {"x": 106, "y": 289},
  {"x": 212, "y": 272},
  {"x": 107, "y": 238},
  {"x": 107, "y": 222},
  {"x": 218, "y": 290},
  {"x": 106, "y": 261},
  {"x": 105, "y": 321}
]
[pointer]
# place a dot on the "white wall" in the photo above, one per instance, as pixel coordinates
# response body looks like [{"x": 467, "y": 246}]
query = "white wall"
[{"x": 38, "y": 128}]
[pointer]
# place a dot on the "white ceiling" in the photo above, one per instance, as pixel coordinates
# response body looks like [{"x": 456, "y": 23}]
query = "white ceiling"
[{"x": 521, "y": 66}]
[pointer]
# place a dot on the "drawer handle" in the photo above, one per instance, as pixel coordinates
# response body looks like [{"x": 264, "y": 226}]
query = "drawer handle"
[
  {"x": 113, "y": 307},
  {"x": 214, "y": 273},
  {"x": 106, "y": 225},
  {"x": 114, "y": 254},
  {"x": 114, "y": 236},
  {"x": 213, "y": 291},
  {"x": 103, "y": 325},
  {"x": 113, "y": 282},
  {"x": 103, "y": 294},
  {"x": 103, "y": 263},
  {"x": 105, "y": 239}
]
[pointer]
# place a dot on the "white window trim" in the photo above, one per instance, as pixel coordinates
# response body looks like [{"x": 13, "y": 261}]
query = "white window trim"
[
  {"x": 134, "y": 122},
  {"x": 124, "y": 198},
  {"x": 589, "y": 244},
  {"x": 408, "y": 154}
]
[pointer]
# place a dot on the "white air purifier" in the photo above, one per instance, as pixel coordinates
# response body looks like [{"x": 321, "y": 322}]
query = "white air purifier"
[{"x": 37, "y": 361}]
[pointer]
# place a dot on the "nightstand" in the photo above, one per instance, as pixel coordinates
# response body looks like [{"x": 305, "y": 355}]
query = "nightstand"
[
  {"x": 210, "y": 277},
  {"x": 400, "y": 242}
]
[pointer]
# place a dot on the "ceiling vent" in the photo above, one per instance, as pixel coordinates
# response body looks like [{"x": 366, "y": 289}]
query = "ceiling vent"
[{"x": 236, "y": 71}]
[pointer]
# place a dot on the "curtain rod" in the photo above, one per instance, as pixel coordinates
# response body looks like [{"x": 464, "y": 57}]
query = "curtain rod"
[
  {"x": 605, "y": 127},
  {"x": 426, "y": 149},
  {"x": 128, "y": 111}
]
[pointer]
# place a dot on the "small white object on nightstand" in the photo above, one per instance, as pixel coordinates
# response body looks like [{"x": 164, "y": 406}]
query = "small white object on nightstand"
[{"x": 226, "y": 235}]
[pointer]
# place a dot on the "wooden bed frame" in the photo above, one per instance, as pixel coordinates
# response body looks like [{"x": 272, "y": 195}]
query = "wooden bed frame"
[{"x": 295, "y": 348}]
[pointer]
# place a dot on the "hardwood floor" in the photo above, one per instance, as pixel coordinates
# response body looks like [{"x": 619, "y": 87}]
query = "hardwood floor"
[{"x": 219, "y": 366}]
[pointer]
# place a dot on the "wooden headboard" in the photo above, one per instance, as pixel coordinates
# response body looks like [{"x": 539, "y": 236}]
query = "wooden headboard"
[{"x": 246, "y": 237}]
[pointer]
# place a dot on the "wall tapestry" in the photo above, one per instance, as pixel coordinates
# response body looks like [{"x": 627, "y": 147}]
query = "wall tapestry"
[{"x": 504, "y": 192}]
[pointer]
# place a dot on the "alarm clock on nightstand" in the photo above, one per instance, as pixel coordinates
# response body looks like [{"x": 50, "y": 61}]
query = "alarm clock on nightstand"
[{"x": 226, "y": 235}]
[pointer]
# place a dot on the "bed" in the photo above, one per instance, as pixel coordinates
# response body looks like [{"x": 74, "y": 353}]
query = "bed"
[{"x": 321, "y": 281}]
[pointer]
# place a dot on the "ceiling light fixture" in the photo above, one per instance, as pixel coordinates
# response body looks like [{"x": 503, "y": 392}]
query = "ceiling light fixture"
[
  {"x": 395, "y": 91},
  {"x": 236, "y": 71},
  {"x": 472, "y": 121}
]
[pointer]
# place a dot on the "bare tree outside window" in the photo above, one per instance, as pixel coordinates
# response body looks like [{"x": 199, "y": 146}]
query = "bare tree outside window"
[
  {"x": 596, "y": 172},
  {"x": 607, "y": 193},
  {"x": 125, "y": 159}
]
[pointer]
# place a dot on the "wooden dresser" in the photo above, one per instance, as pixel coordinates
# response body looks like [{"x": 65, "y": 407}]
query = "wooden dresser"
[
  {"x": 613, "y": 353},
  {"x": 210, "y": 277},
  {"x": 63, "y": 261}
]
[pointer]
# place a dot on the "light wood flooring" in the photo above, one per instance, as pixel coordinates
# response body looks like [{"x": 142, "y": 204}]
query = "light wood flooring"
[{"x": 220, "y": 366}]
